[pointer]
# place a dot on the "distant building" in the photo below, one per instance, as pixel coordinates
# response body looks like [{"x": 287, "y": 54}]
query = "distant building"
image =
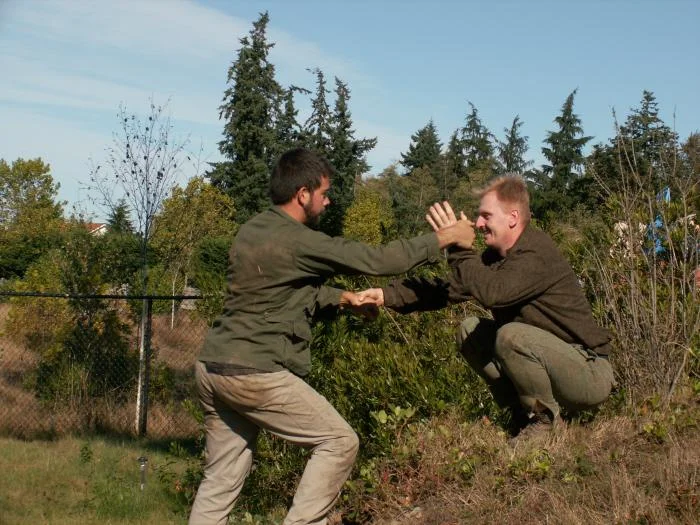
[{"x": 96, "y": 228}]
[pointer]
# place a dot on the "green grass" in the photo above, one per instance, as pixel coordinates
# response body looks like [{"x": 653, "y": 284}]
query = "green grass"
[{"x": 85, "y": 481}]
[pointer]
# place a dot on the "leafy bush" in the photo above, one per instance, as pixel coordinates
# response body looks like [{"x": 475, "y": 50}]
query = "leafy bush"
[{"x": 82, "y": 343}]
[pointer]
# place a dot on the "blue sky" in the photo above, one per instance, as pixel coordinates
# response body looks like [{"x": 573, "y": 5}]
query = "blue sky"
[{"x": 68, "y": 64}]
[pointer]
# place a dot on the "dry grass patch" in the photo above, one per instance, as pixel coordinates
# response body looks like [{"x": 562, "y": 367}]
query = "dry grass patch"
[{"x": 616, "y": 469}]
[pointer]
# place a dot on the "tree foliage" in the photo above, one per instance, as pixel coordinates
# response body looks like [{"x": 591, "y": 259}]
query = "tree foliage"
[
  {"x": 119, "y": 220},
  {"x": 512, "y": 150},
  {"x": 348, "y": 156},
  {"x": 30, "y": 216},
  {"x": 558, "y": 183},
  {"x": 251, "y": 109},
  {"x": 644, "y": 144},
  {"x": 142, "y": 164},
  {"x": 369, "y": 219},
  {"x": 423, "y": 151},
  {"x": 317, "y": 127},
  {"x": 478, "y": 145},
  {"x": 83, "y": 352},
  {"x": 188, "y": 216}
]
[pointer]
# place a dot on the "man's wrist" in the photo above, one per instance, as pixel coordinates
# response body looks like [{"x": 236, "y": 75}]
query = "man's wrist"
[{"x": 445, "y": 238}]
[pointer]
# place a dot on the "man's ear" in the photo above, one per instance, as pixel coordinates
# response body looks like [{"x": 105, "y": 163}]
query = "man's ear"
[
  {"x": 303, "y": 195},
  {"x": 513, "y": 218}
]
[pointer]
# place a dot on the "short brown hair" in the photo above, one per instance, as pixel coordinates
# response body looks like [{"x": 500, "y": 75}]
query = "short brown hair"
[
  {"x": 295, "y": 169},
  {"x": 511, "y": 189}
]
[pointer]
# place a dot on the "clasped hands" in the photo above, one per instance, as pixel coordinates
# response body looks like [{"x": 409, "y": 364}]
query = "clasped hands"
[{"x": 450, "y": 230}]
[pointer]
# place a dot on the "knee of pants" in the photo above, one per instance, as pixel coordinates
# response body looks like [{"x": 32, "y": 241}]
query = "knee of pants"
[
  {"x": 353, "y": 444},
  {"x": 346, "y": 445},
  {"x": 506, "y": 341},
  {"x": 466, "y": 329}
]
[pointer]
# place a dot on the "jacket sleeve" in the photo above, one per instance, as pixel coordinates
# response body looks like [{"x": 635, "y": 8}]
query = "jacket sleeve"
[
  {"x": 320, "y": 254},
  {"x": 420, "y": 294},
  {"x": 328, "y": 297}
]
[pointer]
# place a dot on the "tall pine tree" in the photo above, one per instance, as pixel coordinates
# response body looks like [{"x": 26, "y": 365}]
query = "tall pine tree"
[
  {"x": 559, "y": 181},
  {"x": 454, "y": 166},
  {"x": 251, "y": 105},
  {"x": 511, "y": 152},
  {"x": 347, "y": 155},
  {"x": 318, "y": 127},
  {"x": 289, "y": 133},
  {"x": 478, "y": 148},
  {"x": 424, "y": 151},
  {"x": 649, "y": 143},
  {"x": 564, "y": 147},
  {"x": 644, "y": 144}
]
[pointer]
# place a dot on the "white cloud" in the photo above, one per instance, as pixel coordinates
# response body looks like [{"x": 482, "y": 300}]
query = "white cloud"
[
  {"x": 167, "y": 28},
  {"x": 69, "y": 64}
]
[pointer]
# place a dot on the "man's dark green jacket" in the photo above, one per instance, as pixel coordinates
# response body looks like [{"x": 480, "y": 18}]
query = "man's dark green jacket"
[{"x": 276, "y": 277}]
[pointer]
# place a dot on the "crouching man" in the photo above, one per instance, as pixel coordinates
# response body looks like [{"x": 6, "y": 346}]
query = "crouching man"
[{"x": 542, "y": 350}]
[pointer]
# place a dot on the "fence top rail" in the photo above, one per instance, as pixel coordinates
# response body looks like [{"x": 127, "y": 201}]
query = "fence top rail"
[{"x": 100, "y": 296}]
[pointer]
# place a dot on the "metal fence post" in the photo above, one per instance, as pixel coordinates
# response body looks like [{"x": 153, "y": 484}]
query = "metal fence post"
[{"x": 144, "y": 366}]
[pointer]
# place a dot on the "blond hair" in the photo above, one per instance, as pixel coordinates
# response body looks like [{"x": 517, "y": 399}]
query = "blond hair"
[{"x": 510, "y": 189}]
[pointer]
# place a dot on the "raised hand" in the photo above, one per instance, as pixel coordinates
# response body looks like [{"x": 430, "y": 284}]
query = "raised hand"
[
  {"x": 441, "y": 215},
  {"x": 450, "y": 230}
]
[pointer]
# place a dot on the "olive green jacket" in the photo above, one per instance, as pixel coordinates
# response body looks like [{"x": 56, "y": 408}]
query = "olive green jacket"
[
  {"x": 533, "y": 284},
  {"x": 276, "y": 277}
]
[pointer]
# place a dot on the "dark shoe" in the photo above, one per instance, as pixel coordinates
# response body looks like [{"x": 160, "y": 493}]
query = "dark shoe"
[
  {"x": 519, "y": 419},
  {"x": 539, "y": 428}
]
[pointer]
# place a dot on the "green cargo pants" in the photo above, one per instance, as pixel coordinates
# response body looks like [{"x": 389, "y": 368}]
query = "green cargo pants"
[{"x": 526, "y": 366}]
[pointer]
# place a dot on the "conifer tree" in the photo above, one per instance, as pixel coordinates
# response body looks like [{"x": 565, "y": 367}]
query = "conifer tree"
[
  {"x": 318, "y": 127},
  {"x": 118, "y": 221},
  {"x": 511, "y": 152},
  {"x": 454, "y": 156},
  {"x": 289, "y": 133},
  {"x": 347, "y": 155},
  {"x": 649, "y": 142},
  {"x": 424, "y": 150},
  {"x": 559, "y": 181},
  {"x": 643, "y": 144},
  {"x": 251, "y": 105},
  {"x": 564, "y": 149},
  {"x": 478, "y": 148},
  {"x": 454, "y": 167}
]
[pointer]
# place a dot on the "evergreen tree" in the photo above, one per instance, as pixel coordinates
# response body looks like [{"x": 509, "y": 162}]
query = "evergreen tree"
[
  {"x": 564, "y": 149},
  {"x": 118, "y": 221},
  {"x": 560, "y": 190},
  {"x": 454, "y": 166},
  {"x": 289, "y": 133},
  {"x": 649, "y": 142},
  {"x": 478, "y": 148},
  {"x": 318, "y": 126},
  {"x": 644, "y": 144},
  {"x": 347, "y": 155},
  {"x": 455, "y": 160},
  {"x": 424, "y": 151},
  {"x": 251, "y": 105},
  {"x": 511, "y": 152}
]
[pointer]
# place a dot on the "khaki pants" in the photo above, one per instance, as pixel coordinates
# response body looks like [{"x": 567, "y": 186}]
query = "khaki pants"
[
  {"x": 526, "y": 366},
  {"x": 235, "y": 408}
]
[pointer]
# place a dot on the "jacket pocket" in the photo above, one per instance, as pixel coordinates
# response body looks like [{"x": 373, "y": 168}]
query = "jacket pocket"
[{"x": 301, "y": 331}]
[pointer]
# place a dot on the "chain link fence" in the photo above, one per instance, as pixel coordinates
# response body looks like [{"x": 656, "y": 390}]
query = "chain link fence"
[{"x": 77, "y": 364}]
